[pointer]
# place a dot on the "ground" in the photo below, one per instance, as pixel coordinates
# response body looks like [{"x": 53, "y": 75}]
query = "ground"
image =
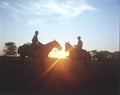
[{"x": 57, "y": 78}]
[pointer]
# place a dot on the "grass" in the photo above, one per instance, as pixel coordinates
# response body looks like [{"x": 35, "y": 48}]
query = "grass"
[{"x": 57, "y": 77}]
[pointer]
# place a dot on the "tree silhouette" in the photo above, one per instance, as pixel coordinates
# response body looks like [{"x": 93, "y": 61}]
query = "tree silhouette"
[
  {"x": 10, "y": 49},
  {"x": 102, "y": 55},
  {"x": 93, "y": 54},
  {"x": 116, "y": 55}
]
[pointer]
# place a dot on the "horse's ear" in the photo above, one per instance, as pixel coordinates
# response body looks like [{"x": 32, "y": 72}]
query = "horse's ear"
[
  {"x": 54, "y": 40},
  {"x": 67, "y": 42}
]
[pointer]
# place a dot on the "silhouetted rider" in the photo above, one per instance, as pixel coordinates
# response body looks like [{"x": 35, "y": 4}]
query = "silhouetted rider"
[
  {"x": 80, "y": 43},
  {"x": 35, "y": 41}
]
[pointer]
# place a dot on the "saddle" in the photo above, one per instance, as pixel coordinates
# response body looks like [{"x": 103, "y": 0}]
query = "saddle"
[{"x": 36, "y": 46}]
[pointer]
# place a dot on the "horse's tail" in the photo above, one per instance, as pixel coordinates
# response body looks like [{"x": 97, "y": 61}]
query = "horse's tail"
[
  {"x": 23, "y": 49},
  {"x": 19, "y": 49}
]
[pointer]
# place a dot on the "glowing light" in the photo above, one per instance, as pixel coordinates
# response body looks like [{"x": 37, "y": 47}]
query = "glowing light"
[{"x": 58, "y": 54}]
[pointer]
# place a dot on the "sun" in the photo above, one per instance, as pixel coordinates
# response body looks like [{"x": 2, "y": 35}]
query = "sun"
[
  {"x": 58, "y": 54},
  {"x": 61, "y": 54}
]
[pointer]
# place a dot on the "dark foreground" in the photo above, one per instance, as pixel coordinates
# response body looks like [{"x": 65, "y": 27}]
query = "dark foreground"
[{"x": 57, "y": 78}]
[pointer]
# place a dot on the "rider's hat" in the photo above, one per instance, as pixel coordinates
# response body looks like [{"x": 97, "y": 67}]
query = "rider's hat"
[
  {"x": 36, "y": 32},
  {"x": 79, "y": 37}
]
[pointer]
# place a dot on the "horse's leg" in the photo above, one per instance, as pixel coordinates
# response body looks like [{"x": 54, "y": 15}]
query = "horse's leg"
[
  {"x": 42, "y": 64},
  {"x": 86, "y": 67},
  {"x": 72, "y": 65},
  {"x": 77, "y": 65},
  {"x": 22, "y": 59}
]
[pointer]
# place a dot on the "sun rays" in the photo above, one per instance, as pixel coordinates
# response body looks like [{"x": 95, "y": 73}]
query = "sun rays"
[
  {"x": 58, "y": 54},
  {"x": 58, "y": 75},
  {"x": 49, "y": 69}
]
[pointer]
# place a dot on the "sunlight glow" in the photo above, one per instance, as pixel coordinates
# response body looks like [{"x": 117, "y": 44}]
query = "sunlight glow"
[
  {"x": 50, "y": 68},
  {"x": 58, "y": 54}
]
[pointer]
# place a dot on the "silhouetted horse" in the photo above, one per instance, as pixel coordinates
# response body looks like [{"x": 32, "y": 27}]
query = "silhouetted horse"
[
  {"x": 41, "y": 52},
  {"x": 79, "y": 57}
]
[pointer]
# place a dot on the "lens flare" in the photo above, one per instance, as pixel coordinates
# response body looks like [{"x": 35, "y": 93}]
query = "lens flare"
[{"x": 58, "y": 54}]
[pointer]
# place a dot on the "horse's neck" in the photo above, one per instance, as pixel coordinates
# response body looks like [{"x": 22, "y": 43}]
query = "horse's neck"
[
  {"x": 50, "y": 46},
  {"x": 70, "y": 46}
]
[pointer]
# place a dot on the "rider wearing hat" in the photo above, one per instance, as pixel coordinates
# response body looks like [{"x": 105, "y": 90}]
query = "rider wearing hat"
[
  {"x": 35, "y": 41},
  {"x": 80, "y": 43}
]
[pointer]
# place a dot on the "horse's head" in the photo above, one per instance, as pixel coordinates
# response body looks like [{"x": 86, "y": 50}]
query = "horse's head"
[
  {"x": 68, "y": 46},
  {"x": 57, "y": 45}
]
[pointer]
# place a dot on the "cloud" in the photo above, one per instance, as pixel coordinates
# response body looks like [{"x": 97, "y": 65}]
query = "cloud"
[
  {"x": 39, "y": 11},
  {"x": 17, "y": 17},
  {"x": 4, "y": 4},
  {"x": 65, "y": 10}
]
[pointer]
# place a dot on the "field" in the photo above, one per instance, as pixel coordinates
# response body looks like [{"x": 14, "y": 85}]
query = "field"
[{"x": 57, "y": 77}]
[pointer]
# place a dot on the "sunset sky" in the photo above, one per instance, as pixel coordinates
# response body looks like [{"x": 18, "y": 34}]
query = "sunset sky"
[{"x": 96, "y": 21}]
